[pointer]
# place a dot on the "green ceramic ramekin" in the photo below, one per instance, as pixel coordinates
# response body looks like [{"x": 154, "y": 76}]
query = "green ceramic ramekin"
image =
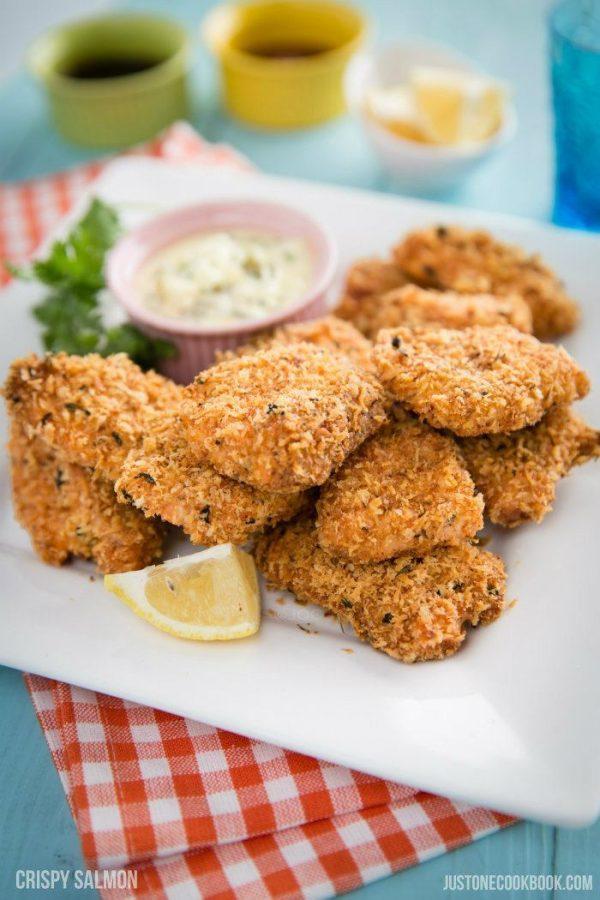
[{"x": 115, "y": 111}]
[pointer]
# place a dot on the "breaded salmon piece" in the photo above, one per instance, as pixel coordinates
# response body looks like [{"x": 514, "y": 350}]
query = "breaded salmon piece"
[
  {"x": 479, "y": 380},
  {"x": 328, "y": 332},
  {"x": 517, "y": 473},
  {"x": 282, "y": 419},
  {"x": 67, "y": 512},
  {"x": 413, "y": 607},
  {"x": 413, "y": 306},
  {"x": 406, "y": 489},
  {"x": 92, "y": 410},
  {"x": 373, "y": 276},
  {"x": 450, "y": 258},
  {"x": 365, "y": 283},
  {"x": 163, "y": 478}
]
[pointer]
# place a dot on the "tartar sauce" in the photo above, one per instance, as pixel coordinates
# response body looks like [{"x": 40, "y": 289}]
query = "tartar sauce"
[{"x": 225, "y": 276}]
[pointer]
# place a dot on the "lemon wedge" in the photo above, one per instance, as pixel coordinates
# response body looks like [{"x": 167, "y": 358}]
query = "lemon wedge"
[
  {"x": 395, "y": 109},
  {"x": 456, "y": 107},
  {"x": 208, "y": 596}
]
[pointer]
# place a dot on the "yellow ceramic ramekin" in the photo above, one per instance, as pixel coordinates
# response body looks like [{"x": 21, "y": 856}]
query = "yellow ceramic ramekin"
[
  {"x": 117, "y": 111},
  {"x": 275, "y": 91}
]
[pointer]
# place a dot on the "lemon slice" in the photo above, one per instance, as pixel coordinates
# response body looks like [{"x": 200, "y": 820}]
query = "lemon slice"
[
  {"x": 208, "y": 596},
  {"x": 395, "y": 109},
  {"x": 456, "y": 107}
]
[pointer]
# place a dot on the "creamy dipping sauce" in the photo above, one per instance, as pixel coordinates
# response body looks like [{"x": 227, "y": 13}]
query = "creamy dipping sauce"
[{"x": 225, "y": 276}]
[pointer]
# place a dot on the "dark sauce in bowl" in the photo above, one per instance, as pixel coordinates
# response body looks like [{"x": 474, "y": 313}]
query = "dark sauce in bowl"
[
  {"x": 286, "y": 51},
  {"x": 93, "y": 69}
]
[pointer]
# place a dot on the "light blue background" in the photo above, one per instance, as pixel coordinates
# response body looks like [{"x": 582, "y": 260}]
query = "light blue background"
[{"x": 506, "y": 37}]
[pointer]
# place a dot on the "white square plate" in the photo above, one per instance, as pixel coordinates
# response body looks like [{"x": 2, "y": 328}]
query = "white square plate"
[{"x": 511, "y": 722}]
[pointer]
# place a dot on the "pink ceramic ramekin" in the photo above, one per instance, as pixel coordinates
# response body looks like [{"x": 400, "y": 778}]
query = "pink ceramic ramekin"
[{"x": 197, "y": 344}]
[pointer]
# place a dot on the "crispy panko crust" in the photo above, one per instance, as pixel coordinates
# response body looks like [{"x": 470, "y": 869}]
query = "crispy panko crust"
[
  {"x": 518, "y": 473},
  {"x": 406, "y": 489},
  {"x": 479, "y": 380},
  {"x": 163, "y": 478},
  {"x": 92, "y": 410},
  {"x": 373, "y": 276},
  {"x": 412, "y": 608},
  {"x": 366, "y": 281},
  {"x": 329, "y": 332},
  {"x": 414, "y": 306},
  {"x": 473, "y": 262},
  {"x": 282, "y": 419},
  {"x": 67, "y": 512}
]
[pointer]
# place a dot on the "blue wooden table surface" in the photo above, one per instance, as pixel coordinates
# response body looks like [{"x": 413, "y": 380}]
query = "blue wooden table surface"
[{"x": 507, "y": 37}]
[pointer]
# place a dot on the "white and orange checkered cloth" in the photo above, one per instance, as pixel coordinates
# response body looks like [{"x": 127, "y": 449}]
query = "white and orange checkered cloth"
[{"x": 197, "y": 811}]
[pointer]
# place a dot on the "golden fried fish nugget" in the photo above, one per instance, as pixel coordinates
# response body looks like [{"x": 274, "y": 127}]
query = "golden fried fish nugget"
[
  {"x": 282, "y": 419},
  {"x": 406, "y": 489},
  {"x": 67, "y": 512},
  {"x": 479, "y": 380},
  {"x": 91, "y": 409},
  {"x": 163, "y": 478},
  {"x": 517, "y": 473},
  {"x": 329, "y": 332},
  {"x": 413, "y": 306},
  {"x": 473, "y": 262},
  {"x": 373, "y": 276},
  {"x": 413, "y": 607},
  {"x": 366, "y": 281}
]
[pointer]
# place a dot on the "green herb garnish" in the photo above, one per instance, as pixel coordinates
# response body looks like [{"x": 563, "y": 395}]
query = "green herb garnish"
[{"x": 70, "y": 312}]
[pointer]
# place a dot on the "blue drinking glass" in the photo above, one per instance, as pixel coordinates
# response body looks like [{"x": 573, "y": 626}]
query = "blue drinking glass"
[{"x": 575, "y": 49}]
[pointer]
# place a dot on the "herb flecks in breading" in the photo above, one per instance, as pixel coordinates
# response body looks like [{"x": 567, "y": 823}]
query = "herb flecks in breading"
[
  {"x": 284, "y": 418},
  {"x": 477, "y": 381},
  {"x": 409, "y": 614},
  {"x": 406, "y": 489}
]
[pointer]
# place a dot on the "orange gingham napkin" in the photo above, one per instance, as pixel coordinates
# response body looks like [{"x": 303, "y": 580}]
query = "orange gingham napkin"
[{"x": 197, "y": 811}]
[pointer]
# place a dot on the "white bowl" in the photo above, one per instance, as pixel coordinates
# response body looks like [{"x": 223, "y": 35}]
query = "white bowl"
[{"x": 417, "y": 167}]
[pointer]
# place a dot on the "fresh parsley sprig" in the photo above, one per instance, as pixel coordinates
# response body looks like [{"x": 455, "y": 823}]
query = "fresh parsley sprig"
[{"x": 70, "y": 312}]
